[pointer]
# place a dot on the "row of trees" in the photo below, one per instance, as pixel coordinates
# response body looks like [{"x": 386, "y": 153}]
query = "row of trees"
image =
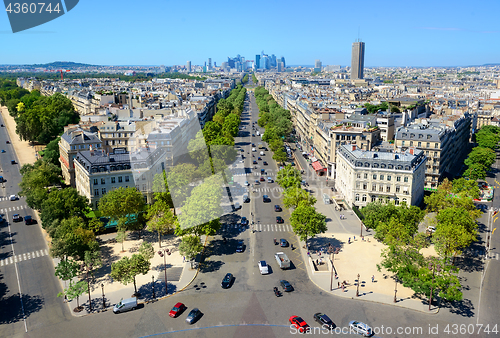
[
  {"x": 276, "y": 121},
  {"x": 245, "y": 79},
  {"x": 456, "y": 228},
  {"x": 306, "y": 222},
  {"x": 482, "y": 157},
  {"x": 254, "y": 79}
]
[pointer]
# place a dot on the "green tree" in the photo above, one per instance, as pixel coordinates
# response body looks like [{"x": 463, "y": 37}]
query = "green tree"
[
  {"x": 289, "y": 177},
  {"x": 484, "y": 156},
  {"x": 69, "y": 239},
  {"x": 475, "y": 171},
  {"x": 36, "y": 178},
  {"x": 466, "y": 188},
  {"x": 74, "y": 291},
  {"x": 121, "y": 203},
  {"x": 51, "y": 152},
  {"x": 67, "y": 269},
  {"x": 190, "y": 246},
  {"x": 147, "y": 251},
  {"x": 486, "y": 139},
  {"x": 62, "y": 203},
  {"x": 160, "y": 219},
  {"x": 306, "y": 222},
  {"x": 126, "y": 269},
  {"x": 279, "y": 156},
  {"x": 295, "y": 196}
]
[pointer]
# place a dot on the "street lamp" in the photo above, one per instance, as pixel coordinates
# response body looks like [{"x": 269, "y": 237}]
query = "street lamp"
[
  {"x": 153, "y": 284},
  {"x": 103, "y": 302},
  {"x": 357, "y": 290},
  {"x": 395, "y": 288},
  {"x": 332, "y": 250},
  {"x": 434, "y": 266},
  {"x": 87, "y": 267},
  {"x": 163, "y": 253}
]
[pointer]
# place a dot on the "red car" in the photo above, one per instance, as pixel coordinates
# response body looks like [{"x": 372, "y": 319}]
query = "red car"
[
  {"x": 177, "y": 310},
  {"x": 299, "y": 323}
]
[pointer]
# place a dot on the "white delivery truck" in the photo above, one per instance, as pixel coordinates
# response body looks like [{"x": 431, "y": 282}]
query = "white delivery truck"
[{"x": 282, "y": 260}]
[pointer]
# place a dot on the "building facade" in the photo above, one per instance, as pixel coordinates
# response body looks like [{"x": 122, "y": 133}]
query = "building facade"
[
  {"x": 357, "y": 60},
  {"x": 369, "y": 176}
]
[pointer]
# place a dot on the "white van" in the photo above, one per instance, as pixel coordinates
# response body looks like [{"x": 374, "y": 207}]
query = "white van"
[
  {"x": 258, "y": 133},
  {"x": 262, "y": 153},
  {"x": 125, "y": 305}
]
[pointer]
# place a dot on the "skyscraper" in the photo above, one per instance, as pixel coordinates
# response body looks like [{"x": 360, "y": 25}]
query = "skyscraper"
[
  {"x": 317, "y": 66},
  {"x": 283, "y": 60},
  {"x": 188, "y": 66},
  {"x": 357, "y": 60},
  {"x": 257, "y": 61},
  {"x": 210, "y": 63}
]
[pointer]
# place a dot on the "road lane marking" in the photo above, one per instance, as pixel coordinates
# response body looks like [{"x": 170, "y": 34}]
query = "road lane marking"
[
  {"x": 24, "y": 256},
  {"x": 268, "y": 227}
]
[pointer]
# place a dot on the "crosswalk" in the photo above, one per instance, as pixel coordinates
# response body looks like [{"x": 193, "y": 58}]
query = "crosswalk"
[
  {"x": 8, "y": 198},
  {"x": 24, "y": 257},
  {"x": 268, "y": 189},
  {"x": 258, "y": 227},
  {"x": 19, "y": 207}
]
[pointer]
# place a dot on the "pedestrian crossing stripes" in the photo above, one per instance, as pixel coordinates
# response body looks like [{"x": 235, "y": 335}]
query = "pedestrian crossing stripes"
[
  {"x": 268, "y": 189},
  {"x": 8, "y": 198},
  {"x": 259, "y": 227},
  {"x": 20, "y": 207},
  {"x": 24, "y": 257}
]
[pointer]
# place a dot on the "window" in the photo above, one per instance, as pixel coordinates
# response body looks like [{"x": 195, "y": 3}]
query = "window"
[
  {"x": 374, "y": 198},
  {"x": 363, "y": 198},
  {"x": 364, "y": 186},
  {"x": 381, "y": 188},
  {"x": 119, "y": 179},
  {"x": 96, "y": 181},
  {"x": 411, "y": 143},
  {"x": 126, "y": 178},
  {"x": 357, "y": 198},
  {"x": 143, "y": 187},
  {"x": 419, "y": 144},
  {"x": 403, "y": 144},
  {"x": 406, "y": 179},
  {"x": 366, "y": 176},
  {"x": 374, "y": 187},
  {"x": 358, "y": 175},
  {"x": 404, "y": 200},
  {"x": 96, "y": 192},
  {"x": 397, "y": 189},
  {"x": 104, "y": 191},
  {"x": 388, "y": 188},
  {"x": 435, "y": 154},
  {"x": 374, "y": 177},
  {"x": 143, "y": 177},
  {"x": 381, "y": 177},
  {"x": 357, "y": 185},
  {"x": 396, "y": 201},
  {"x": 428, "y": 145},
  {"x": 112, "y": 180},
  {"x": 436, "y": 145},
  {"x": 388, "y": 177},
  {"x": 103, "y": 181}
]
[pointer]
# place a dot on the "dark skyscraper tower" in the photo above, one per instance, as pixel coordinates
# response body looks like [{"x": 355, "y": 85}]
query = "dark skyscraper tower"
[
  {"x": 357, "y": 60},
  {"x": 257, "y": 61},
  {"x": 283, "y": 60}
]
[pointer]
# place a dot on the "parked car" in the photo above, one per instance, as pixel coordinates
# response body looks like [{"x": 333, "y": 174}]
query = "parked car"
[
  {"x": 177, "y": 310},
  {"x": 253, "y": 149},
  {"x": 283, "y": 243},
  {"x": 263, "y": 268},
  {"x": 286, "y": 285},
  {"x": 16, "y": 218},
  {"x": 125, "y": 305},
  {"x": 324, "y": 320},
  {"x": 360, "y": 328},
  {"x": 28, "y": 220},
  {"x": 277, "y": 208},
  {"x": 299, "y": 323},
  {"x": 279, "y": 219},
  {"x": 193, "y": 315},
  {"x": 240, "y": 246},
  {"x": 227, "y": 280}
]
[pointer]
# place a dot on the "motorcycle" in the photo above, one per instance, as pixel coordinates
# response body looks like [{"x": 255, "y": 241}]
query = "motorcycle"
[
  {"x": 275, "y": 242},
  {"x": 276, "y": 292}
]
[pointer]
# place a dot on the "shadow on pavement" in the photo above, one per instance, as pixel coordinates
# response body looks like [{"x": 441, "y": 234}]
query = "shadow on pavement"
[{"x": 11, "y": 310}]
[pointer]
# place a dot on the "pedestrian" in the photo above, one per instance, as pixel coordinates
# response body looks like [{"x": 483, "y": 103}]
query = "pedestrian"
[
  {"x": 373, "y": 278},
  {"x": 342, "y": 287},
  {"x": 317, "y": 261},
  {"x": 354, "y": 238},
  {"x": 349, "y": 242},
  {"x": 183, "y": 259},
  {"x": 309, "y": 254},
  {"x": 338, "y": 285},
  {"x": 336, "y": 276}
]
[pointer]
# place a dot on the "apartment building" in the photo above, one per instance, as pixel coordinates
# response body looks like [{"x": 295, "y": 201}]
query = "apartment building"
[
  {"x": 445, "y": 141},
  {"x": 368, "y": 176},
  {"x": 97, "y": 171},
  {"x": 72, "y": 141},
  {"x": 116, "y": 134}
]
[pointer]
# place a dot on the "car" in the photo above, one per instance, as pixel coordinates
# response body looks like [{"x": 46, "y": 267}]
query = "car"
[
  {"x": 293, "y": 164},
  {"x": 257, "y": 182},
  {"x": 28, "y": 220},
  {"x": 226, "y": 281},
  {"x": 244, "y": 221},
  {"x": 13, "y": 162},
  {"x": 269, "y": 180},
  {"x": 360, "y": 328},
  {"x": 299, "y": 323},
  {"x": 237, "y": 206},
  {"x": 262, "y": 179},
  {"x": 253, "y": 134},
  {"x": 253, "y": 144},
  {"x": 246, "y": 184},
  {"x": 263, "y": 268},
  {"x": 177, "y": 310},
  {"x": 277, "y": 208},
  {"x": 13, "y": 198},
  {"x": 279, "y": 219},
  {"x": 253, "y": 149},
  {"x": 262, "y": 171},
  {"x": 3, "y": 150},
  {"x": 255, "y": 162},
  {"x": 286, "y": 286},
  {"x": 283, "y": 242},
  {"x": 242, "y": 150},
  {"x": 266, "y": 198},
  {"x": 16, "y": 218},
  {"x": 323, "y": 320},
  {"x": 259, "y": 158},
  {"x": 8, "y": 142},
  {"x": 240, "y": 246},
  {"x": 264, "y": 163},
  {"x": 1, "y": 125},
  {"x": 246, "y": 199},
  {"x": 193, "y": 315}
]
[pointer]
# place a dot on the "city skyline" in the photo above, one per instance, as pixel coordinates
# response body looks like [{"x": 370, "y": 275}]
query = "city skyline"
[{"x": 445, "y": 36}]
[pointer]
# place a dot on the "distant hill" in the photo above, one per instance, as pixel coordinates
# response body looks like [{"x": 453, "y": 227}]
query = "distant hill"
[
  {"x": 62, "y": 64},
  {"x": 491, "y": 64}
]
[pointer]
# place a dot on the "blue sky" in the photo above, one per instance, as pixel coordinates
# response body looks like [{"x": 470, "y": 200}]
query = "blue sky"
[{"x": 154, "y": 32}]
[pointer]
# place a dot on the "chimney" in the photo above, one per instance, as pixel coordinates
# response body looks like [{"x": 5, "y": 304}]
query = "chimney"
[
  {"x": 91, "y": 151},
  {"x": 412, "y": 151},
  {"x": 353, "y": 147}
]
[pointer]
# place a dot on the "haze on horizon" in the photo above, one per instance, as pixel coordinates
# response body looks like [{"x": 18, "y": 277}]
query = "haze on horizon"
[{"x": 417, "y": 34}]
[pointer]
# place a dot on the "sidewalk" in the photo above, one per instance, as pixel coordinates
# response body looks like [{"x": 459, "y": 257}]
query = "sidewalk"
[
  {"x": 179, "y": 274},
  {"x": 356, "y": 255}
]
